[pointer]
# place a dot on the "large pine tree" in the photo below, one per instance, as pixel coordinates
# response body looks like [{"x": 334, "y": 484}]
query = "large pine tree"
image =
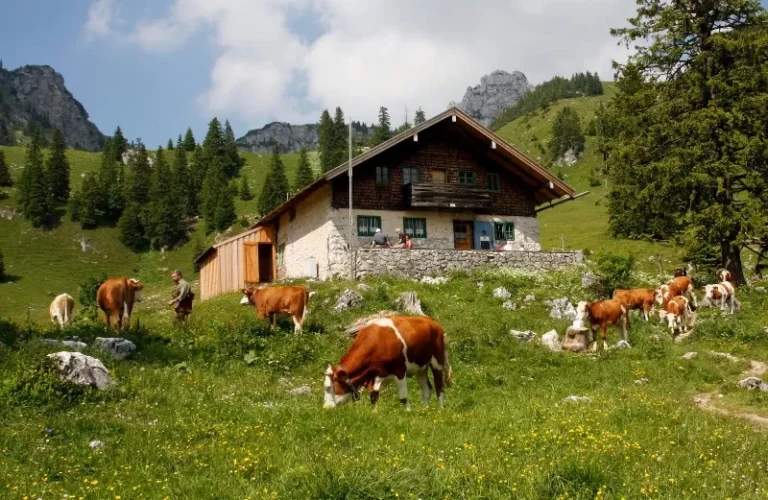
[
  {"x": 224, "y": 215},
  {"x": 686, "y": 158},
  {"x": 165, "y": 222},
  {"x": 214, "y": 184},
  {"x": 34, "y": 192},
  {"x": 57, "y": 169},
  {"x": 213, "y": 145},
  {"x": 189, "y": 141},
  {"x": 245, "y": 189},
  {"x": 420, "y": 117},
  {"x": 131, "y": 229},
  {"x": 383, "y": 131},
  {"x": 181, "y": 182},
  {"x": 5, "y": 173},
  {"x": 304, "y": 175},
  {"x": 566, "y": 134},
  {"x": 119, "y": 144},
  {"x": 326, "y": 139},
  {"x": 233, "y": 161},
  {"x": 340, "y": 138},
  {"x": 110, "y": 183},
  {"x": 198, "y": 170},
  {"x": 275, "y": 189},
  {"x": 141, "y": 180},
  {"x": 90, "y": 202}
]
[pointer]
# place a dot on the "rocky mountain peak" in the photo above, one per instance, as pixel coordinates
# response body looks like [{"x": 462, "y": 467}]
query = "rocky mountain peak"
[{"x": 496, "y": 92}]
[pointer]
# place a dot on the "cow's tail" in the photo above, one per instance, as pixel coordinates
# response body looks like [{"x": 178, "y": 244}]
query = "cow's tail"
[
  {"x": 307, "y": 295},
  {"x": 447, "y": 370}
]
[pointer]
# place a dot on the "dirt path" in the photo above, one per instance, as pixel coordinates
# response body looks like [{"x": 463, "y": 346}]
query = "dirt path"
[{"x": 706, "y": 401}]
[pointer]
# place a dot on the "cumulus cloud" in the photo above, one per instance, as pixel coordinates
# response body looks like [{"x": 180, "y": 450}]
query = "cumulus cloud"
[
  {"x": 99, "y": 21},
  {"x": 368, "y": 53}
]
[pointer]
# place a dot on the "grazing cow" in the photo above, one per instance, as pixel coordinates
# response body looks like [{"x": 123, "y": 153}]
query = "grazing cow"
[
  {"x": 641, "y": 298},
  {"x": 116, "y": 297},
  {"x": 389, "y": 349},
  {"x": 601, "y": 314},
  {"x": 682, "y": 285},
  {"x": 271, "y": 301},
  {"x": 677, "y": 312},
  {"x": 680, "y": 271},
  {"x": 62, "y": 310},
  {"x": 721, "y": 295}
]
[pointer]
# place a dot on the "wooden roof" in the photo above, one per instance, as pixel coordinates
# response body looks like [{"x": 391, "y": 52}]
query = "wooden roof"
[{"x": 547, "y": 187}]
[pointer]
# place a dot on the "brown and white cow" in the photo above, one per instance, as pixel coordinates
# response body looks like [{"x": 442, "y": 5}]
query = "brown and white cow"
[
  {"x": 724, "y": 275},
  {"x": 682, "y": 285},
  {"x": 62, "y": 310},
  {"x": 601, "y": 314},
  {"x": 722, "y": 295},
  {"x": 116, "y": 298},
  {"x": 680, "y": 271},
  {"x": 677, "y": 312},
  {"x": 271, "y": 301},
  {"x": 642, "y": 299},
  {"x": 389, "y": 349}
]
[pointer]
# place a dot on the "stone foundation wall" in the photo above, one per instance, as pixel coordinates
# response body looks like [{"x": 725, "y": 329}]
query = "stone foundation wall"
[{"x": 417, "y": 263}]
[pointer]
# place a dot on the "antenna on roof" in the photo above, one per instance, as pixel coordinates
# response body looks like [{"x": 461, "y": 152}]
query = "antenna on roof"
[{"x": 349, "y": 239}]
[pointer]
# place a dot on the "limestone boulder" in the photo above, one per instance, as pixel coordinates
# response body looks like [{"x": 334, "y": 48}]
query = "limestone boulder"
[
  {"x": 551, "y": 341},
  {"x": 82, "y": 370},
  {"x": 350, "y": 299},
  {"x": 116, "y": 347}
]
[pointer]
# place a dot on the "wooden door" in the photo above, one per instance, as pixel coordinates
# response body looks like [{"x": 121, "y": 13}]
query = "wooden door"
[
  {"x": 438, "y": 176},
  {"x": 251, "y": 262},
  {"x": 462, "y": 235}
]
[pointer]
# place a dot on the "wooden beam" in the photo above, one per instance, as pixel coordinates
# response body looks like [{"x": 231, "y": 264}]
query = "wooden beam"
[{"x": 558, "y": 202}]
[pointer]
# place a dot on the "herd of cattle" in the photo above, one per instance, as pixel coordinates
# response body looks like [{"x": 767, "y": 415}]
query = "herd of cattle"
[{"x": 391, "y": 348}]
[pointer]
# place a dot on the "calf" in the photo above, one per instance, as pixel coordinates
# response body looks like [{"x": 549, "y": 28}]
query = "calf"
[
  {"x": 389, "y": 349},
  {"x": 721, "y": 295},
  {"x": 271, "y": 301},
  {"x": 677, "y": 312},
  {"x": 602, "y": 314},
  {"x": 724, "y": 275},
  {"x": 642, "y": 299},
  {"x": 116, "y": 297},
  {"x": 62, "y": 310}
]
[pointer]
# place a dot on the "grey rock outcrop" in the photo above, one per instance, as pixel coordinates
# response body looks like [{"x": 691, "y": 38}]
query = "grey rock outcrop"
[
  {"x": 501, "y": 293},
  {"x": 495, "y": 93},
  {"x": 551, "y": 341},
  {"x": 753, "y": 384},
  {"x": 289, "y": 138},
  {"x": 561, "y": 309},
  {"x": 116, "y": 347},
  {"x": 350, "y": 299},
  {"x": 36, "y": 95},
  {"x": 82, "y": 370},
  {"x": 523, "y": 336},
  {"x": 72, "y": 344},
  {"x": 410, "y": 303}
]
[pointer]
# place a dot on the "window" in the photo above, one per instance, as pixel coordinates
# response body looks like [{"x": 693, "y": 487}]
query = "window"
[
  {"x": 280, "y": 255},
  {"x": 382, "y": 176},
  {"x": 410, "y": 175},
  {"x": 366, "y": 225},
  {"x": 494, "y": 185},
  {"x": 504, "y": 231},
  {"x": 415, "y": 228},
  {"x": 466, "y": 177}
]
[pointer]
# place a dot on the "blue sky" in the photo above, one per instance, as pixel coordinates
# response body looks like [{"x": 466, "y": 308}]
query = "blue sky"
[{"x": 156, "y": 67}]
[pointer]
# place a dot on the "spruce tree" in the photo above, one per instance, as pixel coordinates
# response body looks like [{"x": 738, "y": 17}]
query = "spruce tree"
[
  {"x": 91, "y": 201},
  {"x": 420, "y": 117},
  {"x": 189, "y": 141},
  {"x": 169, "y": 146},
  {"x": 76, "y": 205},
  {"x": 686, "y": 160},
  {"x": 141, "y": 180},
  {"x": 225, "y": 215},
  {"x": 275, "y": 189},
  {"x": 2, "y": 266},
  {"x": 112, "y": 191},
  {"x": 233, "y": 162},
  {"x": 245, "y": 189},
  {"x": 131, "y": 230},
  {"x": 57, "y": 169},
  {"x": 340, "y": 138},
  {"x": 213, "y": 145},
  {"x": 198, "y": 169},
  {"x": 5, "y": 173},
  {"x": 382, "y": 132},
  {"x": 304, "y": 175},
  {"x": 214, "y": 184},
  {"x": 164, "y": 222},
  {"x": 34, "y": 192},
  {"x": 566, "y": 134},
  {"x": 181, "y": 182},
  {"x": 326, "y": 139},
  {"x": 119, "y": 144}
]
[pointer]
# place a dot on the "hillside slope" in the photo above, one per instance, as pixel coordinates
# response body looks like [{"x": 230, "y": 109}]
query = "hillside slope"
[
  {"x": 42, "y": 264},
  {"x": 583, "y": 222}
]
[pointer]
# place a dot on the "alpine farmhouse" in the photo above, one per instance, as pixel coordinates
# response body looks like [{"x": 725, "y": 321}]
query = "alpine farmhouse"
[{"x": 465, "y": 197}]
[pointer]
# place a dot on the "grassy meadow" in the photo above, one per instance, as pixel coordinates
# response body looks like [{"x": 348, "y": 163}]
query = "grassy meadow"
[{"x": 203, "y": 411}]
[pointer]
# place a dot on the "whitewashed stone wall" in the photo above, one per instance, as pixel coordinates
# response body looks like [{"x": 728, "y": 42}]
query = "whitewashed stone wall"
[
  {"x": 417, "y": 263},
  {"x": 306, "y": 236}
]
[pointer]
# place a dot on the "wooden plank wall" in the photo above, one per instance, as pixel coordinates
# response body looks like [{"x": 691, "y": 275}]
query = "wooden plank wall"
[{"x": 224, "y": 270}]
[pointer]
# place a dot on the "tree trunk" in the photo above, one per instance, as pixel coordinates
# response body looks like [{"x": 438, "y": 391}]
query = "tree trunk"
[{"x": 730, "y": 257}]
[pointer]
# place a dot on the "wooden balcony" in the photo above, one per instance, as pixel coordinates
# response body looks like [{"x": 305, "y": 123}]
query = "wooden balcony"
[{"x": 450, "y": 196}]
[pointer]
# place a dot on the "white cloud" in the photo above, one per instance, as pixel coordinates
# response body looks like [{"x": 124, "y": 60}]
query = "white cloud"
[
  {"x": 99, "y": 23},
  {"x": 371, "y": 53}
]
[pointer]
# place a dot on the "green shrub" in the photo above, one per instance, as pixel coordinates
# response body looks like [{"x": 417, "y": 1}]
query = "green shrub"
[
  {"x": 594, "y": 178},
  {"x": 41, "y": 385},
  {"x": 87, "y": 294},
  {"x": 612, "y": 271},
  {"x": 2, "y": 266}
]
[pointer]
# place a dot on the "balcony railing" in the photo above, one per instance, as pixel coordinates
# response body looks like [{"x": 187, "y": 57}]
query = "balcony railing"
[{"x": 452, "y": 196}]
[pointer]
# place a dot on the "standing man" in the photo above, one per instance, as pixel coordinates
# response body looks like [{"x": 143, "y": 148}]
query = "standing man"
[{"x": 183, "y": 296}]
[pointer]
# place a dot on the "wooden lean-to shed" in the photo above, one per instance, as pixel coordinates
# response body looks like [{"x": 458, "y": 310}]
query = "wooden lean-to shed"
[{"x": 243, "y": 260}]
